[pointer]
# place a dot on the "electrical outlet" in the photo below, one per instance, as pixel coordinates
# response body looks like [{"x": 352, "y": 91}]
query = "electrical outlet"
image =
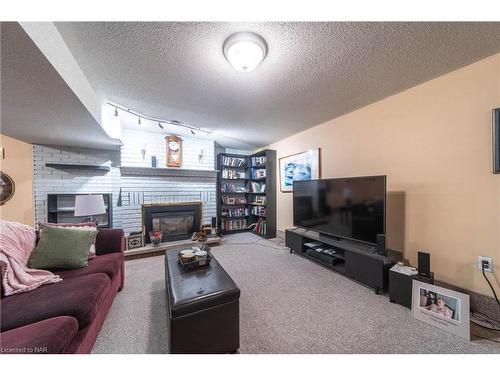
[{"x": 488, "y": 267}]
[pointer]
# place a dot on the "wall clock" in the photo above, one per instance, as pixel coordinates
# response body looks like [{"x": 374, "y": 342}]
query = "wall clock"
[
  {"x": 7, "y": 188},
  {"x": 174, "y": 151}
]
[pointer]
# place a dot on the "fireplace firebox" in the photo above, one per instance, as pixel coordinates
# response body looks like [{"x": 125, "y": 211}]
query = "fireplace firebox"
[{"x": 176, "y": 221}]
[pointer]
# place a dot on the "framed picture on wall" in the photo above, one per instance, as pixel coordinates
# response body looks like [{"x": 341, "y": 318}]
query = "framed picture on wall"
[
  {"x": 496, "y": 140},
  {"x": 299, "y": 167}
]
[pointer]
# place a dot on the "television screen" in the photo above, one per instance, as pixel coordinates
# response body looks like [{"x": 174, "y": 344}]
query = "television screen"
[{"x": 352, "y": 208}]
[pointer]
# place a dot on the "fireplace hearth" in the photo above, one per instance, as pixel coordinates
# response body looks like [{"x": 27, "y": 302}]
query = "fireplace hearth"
[{"x": 176, "y": 221}]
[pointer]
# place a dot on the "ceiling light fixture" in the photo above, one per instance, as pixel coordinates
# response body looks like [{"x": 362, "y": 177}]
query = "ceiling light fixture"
[
  {"x": 139, "y": 120},
  {"x": 116, "y": 112},
  {"x": 160, "y": 125},
  {"x": 245, "y": 50},
  {"x": 192, "y": 132}
]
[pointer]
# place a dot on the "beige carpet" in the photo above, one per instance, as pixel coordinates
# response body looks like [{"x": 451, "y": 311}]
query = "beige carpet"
[{"x": 288, "y": 305}]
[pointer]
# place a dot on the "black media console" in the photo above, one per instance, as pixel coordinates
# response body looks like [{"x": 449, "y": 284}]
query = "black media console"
[{"x": 358, "y": 261}]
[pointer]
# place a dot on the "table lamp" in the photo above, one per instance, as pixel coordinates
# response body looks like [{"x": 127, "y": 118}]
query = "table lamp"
[{"x": 89, "y": 205}]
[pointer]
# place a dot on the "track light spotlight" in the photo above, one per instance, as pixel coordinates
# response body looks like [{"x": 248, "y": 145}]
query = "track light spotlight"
[
  {"x": 139, "y": 120},
  {"x": 116, "y": 112},
  {"x": 160, "y": 125},
  {"x": 192, "y": 132}
]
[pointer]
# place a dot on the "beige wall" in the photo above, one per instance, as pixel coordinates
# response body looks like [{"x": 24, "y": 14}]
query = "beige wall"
[
  {"x": 433, "y": 142},
  {"x": 18, "y": 164}
]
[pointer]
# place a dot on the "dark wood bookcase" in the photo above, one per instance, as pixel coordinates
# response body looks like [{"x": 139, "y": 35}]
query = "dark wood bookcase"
[{"x": 246, "y": 193}]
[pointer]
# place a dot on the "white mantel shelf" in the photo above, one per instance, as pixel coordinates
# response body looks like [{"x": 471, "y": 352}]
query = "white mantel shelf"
[{"x": 169, "y": 172}]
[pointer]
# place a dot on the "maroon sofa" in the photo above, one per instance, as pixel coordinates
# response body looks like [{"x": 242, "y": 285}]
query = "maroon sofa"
[{"x": 66, "y": 317}]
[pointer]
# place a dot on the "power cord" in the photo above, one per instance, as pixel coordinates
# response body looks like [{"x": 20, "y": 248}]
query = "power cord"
[
  {"x": 486, "y": 338},
  {"x": 260, "y": 242},
  {"x": 483, "y": 264},
  {"x": 478, "y": 318}
]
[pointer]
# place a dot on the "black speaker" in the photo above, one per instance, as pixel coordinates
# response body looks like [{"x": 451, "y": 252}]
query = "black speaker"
[
  {"x": 214, "y": 222},
  {"x": 381, "y": 249},
  {"x": 424, "y": 264}
]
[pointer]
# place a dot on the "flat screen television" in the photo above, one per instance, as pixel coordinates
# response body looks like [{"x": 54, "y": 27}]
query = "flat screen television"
[{"x": 352, "y": 208}]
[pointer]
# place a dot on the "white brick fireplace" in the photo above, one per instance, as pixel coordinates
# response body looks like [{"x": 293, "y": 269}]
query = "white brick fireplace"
[{"x": 131, "y": 179}]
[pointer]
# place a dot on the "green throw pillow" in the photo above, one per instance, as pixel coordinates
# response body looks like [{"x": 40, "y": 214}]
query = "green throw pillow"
[{"x": 63, "y": 248}]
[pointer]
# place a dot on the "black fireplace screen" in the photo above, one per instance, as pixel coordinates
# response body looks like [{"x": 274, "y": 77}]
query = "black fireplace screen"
[
  {"x": 175, "y": 221},
  {"x": 181, "y": 225}
]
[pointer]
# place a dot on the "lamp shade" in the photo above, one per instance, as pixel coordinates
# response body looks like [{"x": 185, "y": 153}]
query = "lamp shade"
[{"x": 88, "y": 205}]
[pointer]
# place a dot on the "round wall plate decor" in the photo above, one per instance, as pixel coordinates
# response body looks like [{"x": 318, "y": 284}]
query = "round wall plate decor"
[{"x": 7, "y": 188}]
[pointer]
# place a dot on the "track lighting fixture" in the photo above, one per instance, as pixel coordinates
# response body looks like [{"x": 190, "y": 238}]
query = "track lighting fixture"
[{"x": 161, "y": 123}]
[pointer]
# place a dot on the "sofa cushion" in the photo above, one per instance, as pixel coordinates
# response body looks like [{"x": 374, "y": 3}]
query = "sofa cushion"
[
  {"x": 110, "y": 264},
  {"x": 78, "y": 297},
  {"x": 50, "y": 336},
  {"x": 89, "y": 225},
  {"x": 62, "y": 248}
]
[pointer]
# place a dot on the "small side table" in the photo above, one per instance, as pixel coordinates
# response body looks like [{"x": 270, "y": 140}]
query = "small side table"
[{"x": 401, "y": 284}]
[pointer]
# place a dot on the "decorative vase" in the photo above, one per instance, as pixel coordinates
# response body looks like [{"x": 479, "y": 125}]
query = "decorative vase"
[{"x": 155, "y": 238}]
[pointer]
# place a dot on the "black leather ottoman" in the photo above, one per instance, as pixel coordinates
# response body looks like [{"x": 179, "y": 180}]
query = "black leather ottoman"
[{"x": 203, "y": 310}]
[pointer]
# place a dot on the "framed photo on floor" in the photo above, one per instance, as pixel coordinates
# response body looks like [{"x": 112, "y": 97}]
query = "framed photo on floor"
[
  {"x": 442, "y": 308},
  {"x": 299, "y": 167}
]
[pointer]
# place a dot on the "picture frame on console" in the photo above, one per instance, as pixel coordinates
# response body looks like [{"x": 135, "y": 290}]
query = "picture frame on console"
[
  {"x": 302, "y": 166},
  {"x": 496, "y": 140}
]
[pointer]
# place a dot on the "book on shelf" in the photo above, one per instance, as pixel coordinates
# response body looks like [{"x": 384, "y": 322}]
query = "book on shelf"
[
  {"x": 259, "y": 210},
  {"x": 230, "y": 161},
  {"x": 233, "y": 174},
  {"x": 229, "y": 225},
  {"x": 258, "y": 160},
  {"x": 257, "y": 187},
  {"x": 260, "y": 227},
  {"x": 234, "y": 212},
  {"x": 232, "y": 188},
  {"x": 258, "y": 173}
]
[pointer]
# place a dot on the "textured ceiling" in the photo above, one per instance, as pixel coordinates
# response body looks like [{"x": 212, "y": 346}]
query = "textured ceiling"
[
  {"x": 313, "y": 72},
  {"x": 37, "y": 106}
]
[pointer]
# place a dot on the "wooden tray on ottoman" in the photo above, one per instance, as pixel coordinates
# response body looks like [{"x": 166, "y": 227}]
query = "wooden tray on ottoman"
[{"x": 187, "y": 266}]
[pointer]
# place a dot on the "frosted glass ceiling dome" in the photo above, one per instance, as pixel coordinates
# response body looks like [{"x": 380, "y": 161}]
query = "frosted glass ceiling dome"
[{"x": 245, "y": 50}]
